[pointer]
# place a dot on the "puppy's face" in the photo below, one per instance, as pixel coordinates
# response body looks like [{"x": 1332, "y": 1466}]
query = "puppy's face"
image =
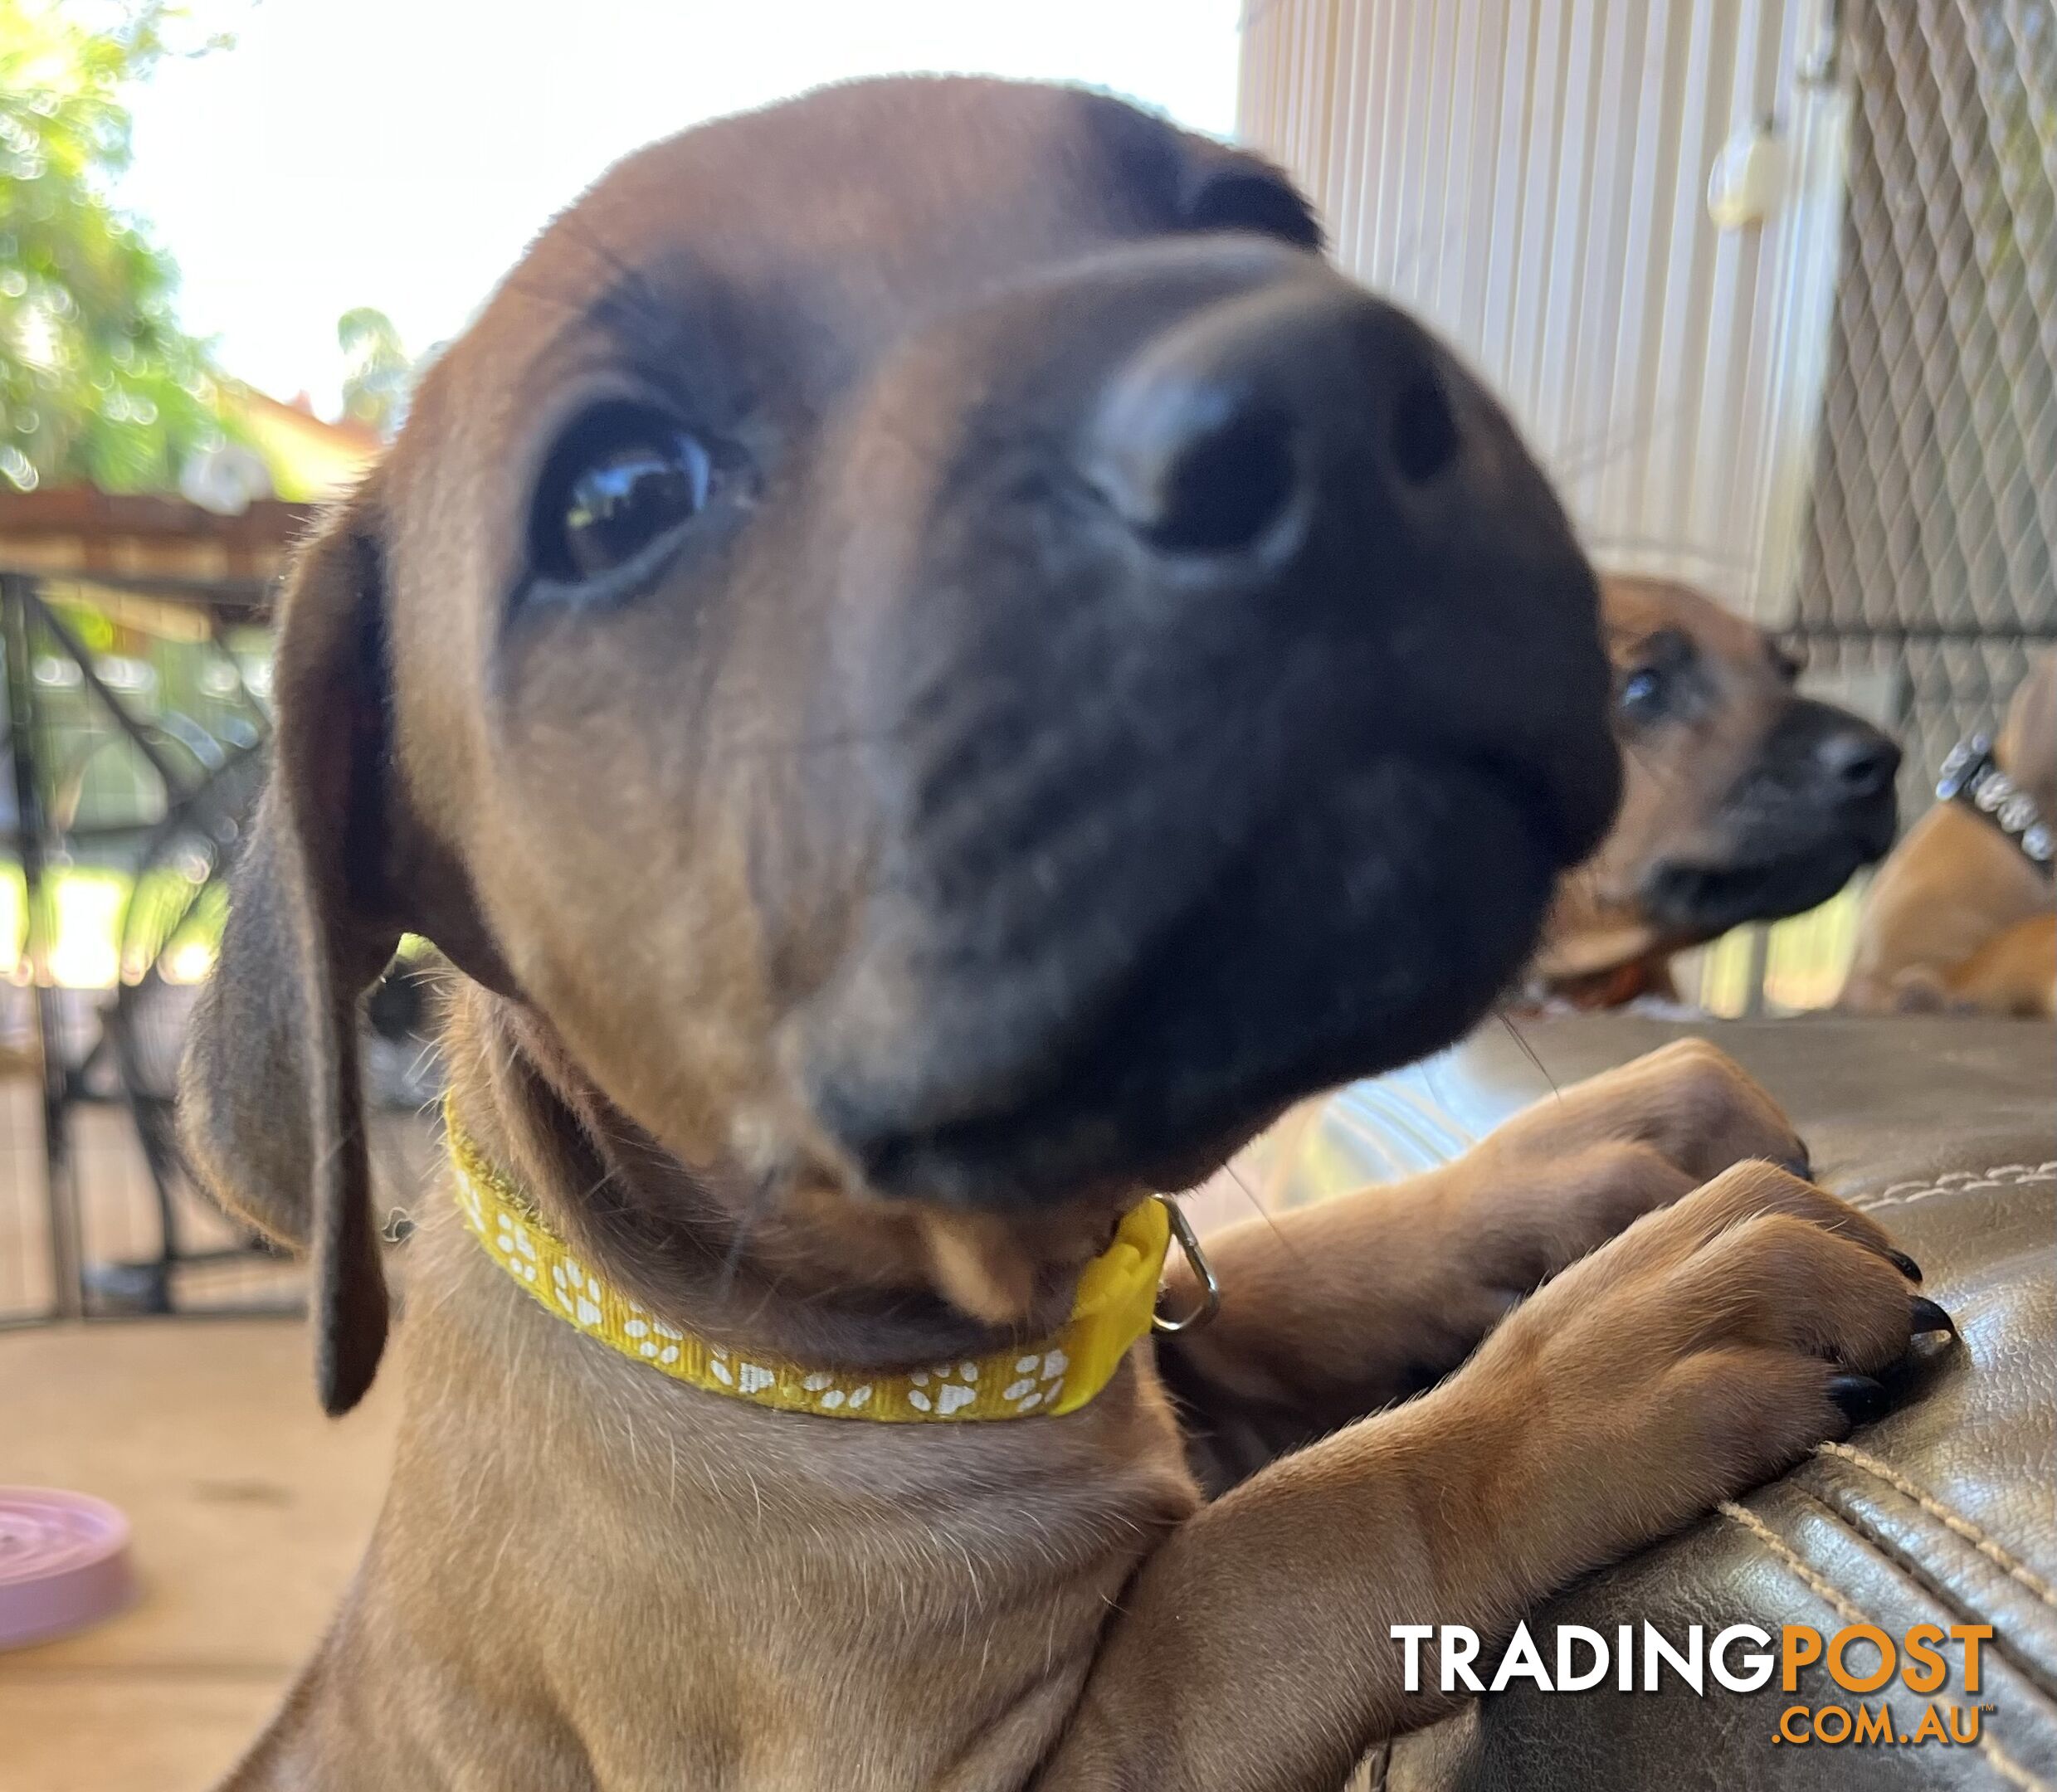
[
  {"x": 1743, "y": 800},
  {"x": 886, "y": 602},
  {"x": 946, "y": 655}
]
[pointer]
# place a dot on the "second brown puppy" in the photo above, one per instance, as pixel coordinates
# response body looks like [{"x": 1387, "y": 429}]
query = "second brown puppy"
[
  {"x": 1961, "y": 919},
  {"x": 1743, "y": 800}
]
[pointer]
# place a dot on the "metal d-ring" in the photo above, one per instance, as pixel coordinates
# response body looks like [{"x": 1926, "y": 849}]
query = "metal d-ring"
[{"x": 1196, "y": 1261}]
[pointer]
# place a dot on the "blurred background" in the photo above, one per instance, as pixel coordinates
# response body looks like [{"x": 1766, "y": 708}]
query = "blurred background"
[{"x": 1770, "y": 285}]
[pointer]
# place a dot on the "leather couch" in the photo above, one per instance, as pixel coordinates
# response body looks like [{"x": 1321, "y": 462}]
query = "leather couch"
[{"x": 1944, "y": 1511}]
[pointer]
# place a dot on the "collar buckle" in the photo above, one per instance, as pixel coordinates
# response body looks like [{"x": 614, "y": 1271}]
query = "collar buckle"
[{"x": 1196, "y": 1261}]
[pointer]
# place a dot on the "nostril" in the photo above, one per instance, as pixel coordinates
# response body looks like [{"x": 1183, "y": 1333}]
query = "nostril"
[
  {"x": 1225, "y": 485},
  {"x": 1861, "y": 764},
  {"x": 1196, "y": 466},
  {"x": 1424, "y": 432}
]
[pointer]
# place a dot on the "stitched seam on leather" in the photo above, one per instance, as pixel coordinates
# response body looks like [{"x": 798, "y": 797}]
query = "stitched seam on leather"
[
  {"x": 1997, "y": 1758},
  {"x": 2006, "y": 1766},
  {"x": 1821, "y": 1590},
  {"x": 1959, "y": 1182},
  {"x": 2036, "y": 1676},
  {"x": 1949, "y": 1519}
]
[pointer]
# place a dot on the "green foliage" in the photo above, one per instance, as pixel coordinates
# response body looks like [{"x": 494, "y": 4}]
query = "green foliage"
[
  {"x": 379, "y": 372},
  {"x": 97, "y": 381}
]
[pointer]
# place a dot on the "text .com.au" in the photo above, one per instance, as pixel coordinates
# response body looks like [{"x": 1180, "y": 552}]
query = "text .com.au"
[{"x": 1934, "y": 1668}]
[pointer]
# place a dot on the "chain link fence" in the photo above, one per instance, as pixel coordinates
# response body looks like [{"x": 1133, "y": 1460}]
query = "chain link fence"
[{"x": 1930, "y": 559}]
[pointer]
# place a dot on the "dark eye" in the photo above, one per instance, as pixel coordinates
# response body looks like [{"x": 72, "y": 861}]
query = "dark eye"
[
  {"x": 1642, "y": 692},
  {"x": 623, "y": 477}
]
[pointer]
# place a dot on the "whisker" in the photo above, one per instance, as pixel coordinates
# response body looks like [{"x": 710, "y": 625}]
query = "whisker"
[
  {"x": 1263, "y": 1212},
  {"x": 1529, "y": 1051},
  {"x": 542, "y": 295},
  {"x": 1596, "y": 450},
  {"x": 759, "y": 1204},
  {"x": 636, "y": 283}
]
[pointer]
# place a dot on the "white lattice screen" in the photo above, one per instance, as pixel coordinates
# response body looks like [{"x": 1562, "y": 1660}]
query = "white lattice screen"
[{"x": 1929, "y": 552}]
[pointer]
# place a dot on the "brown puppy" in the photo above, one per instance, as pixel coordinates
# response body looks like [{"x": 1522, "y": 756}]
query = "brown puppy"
[
  {"x": 858, "y": 657},
  {"x": 1743, "y": 800},
  {"x": 1959, "y": 918}
]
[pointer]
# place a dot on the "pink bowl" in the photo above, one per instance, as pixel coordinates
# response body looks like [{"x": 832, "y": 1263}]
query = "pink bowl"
[{"x": 64, "y": 1563}]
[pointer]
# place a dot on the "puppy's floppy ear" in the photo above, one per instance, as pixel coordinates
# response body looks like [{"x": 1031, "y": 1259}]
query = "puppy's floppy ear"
[
  {"x": 1232, "y": 189},
  {"x": 270, "y": 1104}
]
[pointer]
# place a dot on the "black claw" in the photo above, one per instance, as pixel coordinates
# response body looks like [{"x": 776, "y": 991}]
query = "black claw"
[
  {"x": 1904, "y": 1264},
  {"x": 1929, "y": 1316},
  {"x": 1861, "y": 1399}
]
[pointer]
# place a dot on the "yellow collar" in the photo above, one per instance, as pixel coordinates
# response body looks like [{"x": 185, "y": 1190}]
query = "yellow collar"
[{"x": 1112, "y": 1308}]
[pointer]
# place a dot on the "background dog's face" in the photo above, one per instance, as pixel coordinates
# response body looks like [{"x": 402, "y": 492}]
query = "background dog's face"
[
  {"x": 1743, "y": 800},
  {"x": 943, "y": 651}
]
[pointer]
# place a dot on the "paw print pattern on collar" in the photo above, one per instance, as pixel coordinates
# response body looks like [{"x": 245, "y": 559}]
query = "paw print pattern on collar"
[{"x": 1116, "y": 1296}]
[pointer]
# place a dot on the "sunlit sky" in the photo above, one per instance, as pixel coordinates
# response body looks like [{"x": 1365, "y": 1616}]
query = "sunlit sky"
[{"x": 400, "y": 152}]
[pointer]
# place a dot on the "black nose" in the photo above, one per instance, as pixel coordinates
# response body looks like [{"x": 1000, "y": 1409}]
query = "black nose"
[
  {"x": 1858, "y": 760},
  {"x": 1209, "y": 438},
  {"x": 1197, "y": 467}
]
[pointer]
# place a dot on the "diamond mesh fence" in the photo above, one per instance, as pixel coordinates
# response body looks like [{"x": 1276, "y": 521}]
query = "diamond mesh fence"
[{"x": 1929, "y": 561}]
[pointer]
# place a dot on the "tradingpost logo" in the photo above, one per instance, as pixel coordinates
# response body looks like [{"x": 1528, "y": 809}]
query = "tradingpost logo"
[{"x": 1898, "y": 1678}]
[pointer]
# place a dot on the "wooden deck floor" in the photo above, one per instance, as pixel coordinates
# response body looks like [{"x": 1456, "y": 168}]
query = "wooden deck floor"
[{"x": 249, "y": 1509}]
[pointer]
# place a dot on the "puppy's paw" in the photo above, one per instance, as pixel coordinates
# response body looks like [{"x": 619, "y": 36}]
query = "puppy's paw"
[
  {"x": 1560, "y": 1180},
  {"x": 1709, "y": 1346},
  {"x": 1688, "y": 1102}
]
